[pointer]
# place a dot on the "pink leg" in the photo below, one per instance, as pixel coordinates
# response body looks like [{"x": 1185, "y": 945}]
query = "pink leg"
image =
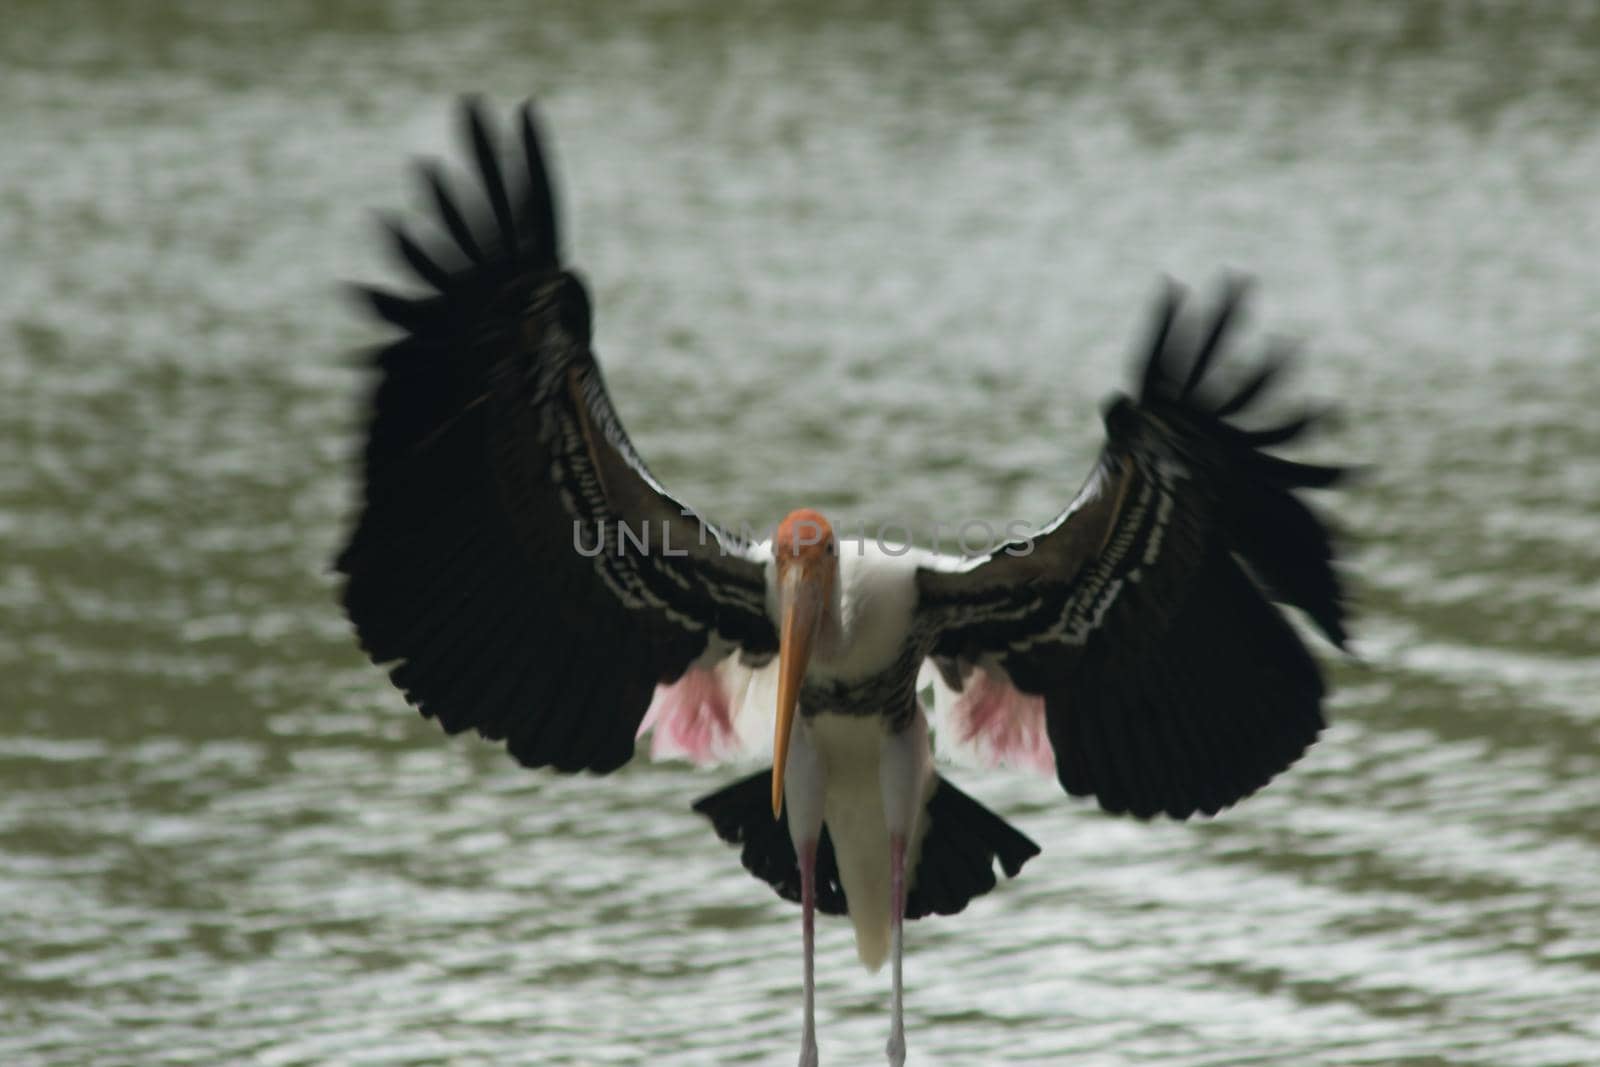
[
  {"x": 803, "y": 789},
  {"x": 808, "y": 908},
  {"x": 897, "y": 912}
]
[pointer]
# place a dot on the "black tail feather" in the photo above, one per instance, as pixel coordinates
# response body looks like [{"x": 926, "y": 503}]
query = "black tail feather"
[
  {"x": 962, "y": 843},
  {"x": 741, "y": 814}
]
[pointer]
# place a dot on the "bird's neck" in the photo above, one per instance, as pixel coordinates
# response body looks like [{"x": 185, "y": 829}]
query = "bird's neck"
[{"x": 832, "y": 635}]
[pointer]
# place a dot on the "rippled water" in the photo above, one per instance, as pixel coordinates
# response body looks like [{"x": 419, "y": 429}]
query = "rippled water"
[{"x": 899, "y": 259}]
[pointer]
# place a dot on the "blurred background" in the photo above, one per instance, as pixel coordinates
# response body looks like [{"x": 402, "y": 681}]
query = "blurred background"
[{"x": 225, "y": 838}]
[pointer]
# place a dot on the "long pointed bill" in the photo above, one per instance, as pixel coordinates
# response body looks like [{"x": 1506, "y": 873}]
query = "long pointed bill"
[{"x": 801, "y": 608}]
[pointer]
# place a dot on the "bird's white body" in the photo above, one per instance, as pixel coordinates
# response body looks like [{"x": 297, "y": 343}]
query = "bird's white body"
[
  {"x": 857, "y": 776},
  {"x": 870, "y": 779}
]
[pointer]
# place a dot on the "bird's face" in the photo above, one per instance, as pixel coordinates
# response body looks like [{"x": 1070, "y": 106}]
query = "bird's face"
[{"x": 808, "y": 568}]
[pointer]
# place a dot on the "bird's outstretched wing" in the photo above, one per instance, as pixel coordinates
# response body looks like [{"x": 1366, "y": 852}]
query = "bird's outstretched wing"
[
  {"x": 509, "y": 560},
  {"x": 1137, "y": 632}
]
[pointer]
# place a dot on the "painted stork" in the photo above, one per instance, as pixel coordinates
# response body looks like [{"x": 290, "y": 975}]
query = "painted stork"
[{"x": 1133, "y": 644}]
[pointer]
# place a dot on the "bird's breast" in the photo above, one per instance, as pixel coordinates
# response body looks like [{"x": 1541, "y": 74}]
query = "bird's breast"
[
  {"x": 877, "y": 603},
  {"x": 889, "y": 694},
  {"x": 871, "y": 668}
]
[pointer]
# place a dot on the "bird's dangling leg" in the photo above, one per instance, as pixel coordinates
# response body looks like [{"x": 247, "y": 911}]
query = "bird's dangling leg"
[
  {"x": 802, "y": 798},
  {"x": 808, "y": 910},
  {"x": 904, "y": 770},
  {"x": 897, "y": 906}
]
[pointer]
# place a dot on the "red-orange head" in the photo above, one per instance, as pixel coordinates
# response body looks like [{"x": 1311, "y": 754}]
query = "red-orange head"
[{"x": 803, "y": 536}]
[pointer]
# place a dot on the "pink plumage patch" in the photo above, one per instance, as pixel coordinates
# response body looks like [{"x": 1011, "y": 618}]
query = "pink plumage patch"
[
  {"x": 1004, "y": 725},
  {"x": 692, "y": 719}
]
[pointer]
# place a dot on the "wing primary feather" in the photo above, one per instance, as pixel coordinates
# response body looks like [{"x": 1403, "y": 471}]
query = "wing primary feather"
[
  {"x": 1171, "y": 298},
  {"x": 411, "y": 253},
  {"x": 543, "y": 227},
  {"x": 1290, "y": 552},
  {"x": 1282, "y": 434},
  {"x": 1289, "y": 474},
  {"x": 494, "y": 182},
  {"x": 450, "y": 214},
  {"x": 1276, "y": 361},
  {"x": 1232, "y": 297},
  {"x": 410, "y": 314}
]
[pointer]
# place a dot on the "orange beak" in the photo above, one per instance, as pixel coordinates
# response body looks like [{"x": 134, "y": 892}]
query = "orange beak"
[{"x": 800, "y": 601}]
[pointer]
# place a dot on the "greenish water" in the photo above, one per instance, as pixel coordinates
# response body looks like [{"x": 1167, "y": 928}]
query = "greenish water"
[{"x": 224, "y": 838}]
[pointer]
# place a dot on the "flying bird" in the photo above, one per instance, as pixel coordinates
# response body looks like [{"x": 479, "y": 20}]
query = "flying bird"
[{"x": 1133, "y": 645}]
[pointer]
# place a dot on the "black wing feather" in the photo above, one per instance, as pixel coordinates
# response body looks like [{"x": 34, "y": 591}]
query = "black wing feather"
[
  {"x": 411, "y": 253},
  {"x": 1213, "y": 341},
  {"x": 494, "y": 183},
  {"x": 455, "y": 224},
  {"x": 1273, "y": 366},
  {"x": 1143, "y": 616},
  {"x": 539, "y": 203},
  {"x": 491, "y": 434}
]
